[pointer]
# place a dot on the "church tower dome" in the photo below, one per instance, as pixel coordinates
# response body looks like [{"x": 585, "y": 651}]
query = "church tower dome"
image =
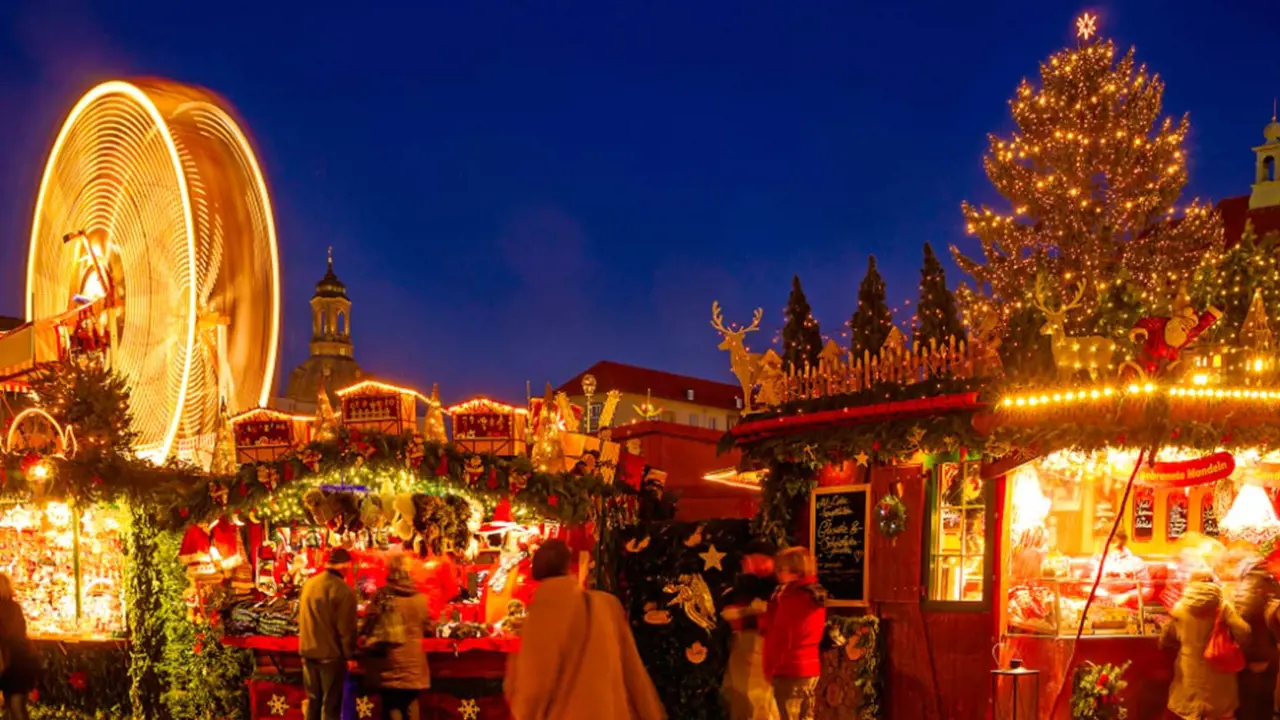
[
  {"x": 332, "y": 362},
  {"x": 1266, "y": 186}
]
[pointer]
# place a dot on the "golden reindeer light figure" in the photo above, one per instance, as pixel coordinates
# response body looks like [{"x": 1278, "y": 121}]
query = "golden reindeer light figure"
[
  {"x": 1072, "y": 354},
  {"x": 745, "y": 365}
]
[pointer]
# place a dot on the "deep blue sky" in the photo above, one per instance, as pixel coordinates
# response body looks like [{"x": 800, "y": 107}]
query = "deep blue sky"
[{"x": 514, "y": 190}]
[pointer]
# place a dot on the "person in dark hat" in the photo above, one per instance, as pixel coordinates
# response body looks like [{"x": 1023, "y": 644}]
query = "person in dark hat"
[{"x": 327, "y": 636}]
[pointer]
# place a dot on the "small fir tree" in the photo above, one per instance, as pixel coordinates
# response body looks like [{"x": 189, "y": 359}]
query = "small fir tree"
[
  {"x": 801, "y": 338},
  {"x": 872, "y": 321},
  {"x": 937, "y": 317},
  {"x": 85, "y": 395}
]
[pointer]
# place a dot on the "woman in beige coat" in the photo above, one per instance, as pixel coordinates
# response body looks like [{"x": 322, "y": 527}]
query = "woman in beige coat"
[
  {"x": 1198, "y": 691},
  {"x": 577, "y": 657},
  {"x": 400, "y": 673}
]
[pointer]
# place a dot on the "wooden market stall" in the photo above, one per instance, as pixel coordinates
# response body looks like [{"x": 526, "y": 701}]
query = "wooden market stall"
[
  {"x": 467, "y": 518},
  {"x": 1019, "y": 536}
]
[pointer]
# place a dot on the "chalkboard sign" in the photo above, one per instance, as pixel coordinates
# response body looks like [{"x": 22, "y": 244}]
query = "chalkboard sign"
[
  {"x": 1208, "y": 515},
  {"x": 838, "y": 536},
  {"x": 1177, "y": 526},
  {"x": 1144, "y": 514}
]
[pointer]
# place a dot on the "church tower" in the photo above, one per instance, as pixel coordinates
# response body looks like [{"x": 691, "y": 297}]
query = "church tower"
[
  {"x": 1266, "y": 186},
  {"x": 332, "y": 363}
]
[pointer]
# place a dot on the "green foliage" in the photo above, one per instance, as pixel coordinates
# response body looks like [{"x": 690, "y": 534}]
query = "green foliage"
[
  {"x": 848, "y": 636},
  {"x": 374, "y": 459},
  {"x": 1025, "y": 353},
  {"x": 801, "y": 337},
  {"x": 783, "y": 495},
  {"x": 872, "y": 321},
  {"x": 1120, "y": 306},
  {"x": 82, "y": 681},
  {"x": 1097, "y": 692},
  {"x": 87, "y": 396},
  {"x": 937, "y": 316},
  {"x": 203, "y": 678},
  {"x": 143, "y": 590},
  {"x": 1228, "y": 277}
]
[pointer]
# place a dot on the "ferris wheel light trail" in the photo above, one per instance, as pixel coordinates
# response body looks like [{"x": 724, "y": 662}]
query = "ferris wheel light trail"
[{"x": 153, "y": 205}]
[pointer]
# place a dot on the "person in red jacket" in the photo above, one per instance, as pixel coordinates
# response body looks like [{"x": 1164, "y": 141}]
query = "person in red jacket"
[{"x": 793, "y": 629}]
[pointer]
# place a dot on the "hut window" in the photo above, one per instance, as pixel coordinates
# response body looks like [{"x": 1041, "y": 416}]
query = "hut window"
[{"x": 958, "y": 534}]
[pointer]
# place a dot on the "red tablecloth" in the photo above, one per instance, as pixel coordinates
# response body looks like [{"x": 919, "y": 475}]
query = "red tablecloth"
[
  {"x": 429, "y": 645},
  {"x": 278, "y": 701}
]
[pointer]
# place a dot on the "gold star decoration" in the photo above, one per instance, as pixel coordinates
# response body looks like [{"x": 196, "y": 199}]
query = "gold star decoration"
[
  {"x": 711, "y": 559},
  {"x": 469, "y": 709},
  {"x": 861, "y": 458},
  {"x": 1086, "y": 26}
]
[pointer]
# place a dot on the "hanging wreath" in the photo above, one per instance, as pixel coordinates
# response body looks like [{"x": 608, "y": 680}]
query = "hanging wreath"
[{"x": 891, "y": 515}]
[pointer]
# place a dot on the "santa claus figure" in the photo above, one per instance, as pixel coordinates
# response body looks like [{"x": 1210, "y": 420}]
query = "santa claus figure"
[{"x": 1164, "y": 338}]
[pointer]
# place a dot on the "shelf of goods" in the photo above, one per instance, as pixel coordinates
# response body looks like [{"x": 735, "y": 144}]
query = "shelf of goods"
[{"x": 66, "y": 565}]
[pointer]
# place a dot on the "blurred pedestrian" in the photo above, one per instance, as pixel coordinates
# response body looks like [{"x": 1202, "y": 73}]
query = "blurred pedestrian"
[
  {"x": 577, "y": 656},
  {"x": 395, "y": 662},
  {"x": 793, "y": 630},
  {"x": 1256, "y": 590},
  {"x": 1199, "y": 690},
  {"x": 327, "y": 636},
  {"x": 19, "y": 664},
  {"x": 747, "y": 695}
]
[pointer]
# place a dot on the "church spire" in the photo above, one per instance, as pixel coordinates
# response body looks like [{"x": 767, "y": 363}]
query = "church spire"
[{"x": 1266, "y": 186}]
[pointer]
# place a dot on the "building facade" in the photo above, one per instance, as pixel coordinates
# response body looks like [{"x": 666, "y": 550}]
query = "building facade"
[
  {"x": 332, "y": 363},
  {"x": 657, "y": 396}
]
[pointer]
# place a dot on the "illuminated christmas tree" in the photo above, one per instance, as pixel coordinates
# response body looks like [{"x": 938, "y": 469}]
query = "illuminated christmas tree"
[
  {"x": 872, "y": 321},
  {"x": 937, "y": 318},
  {"x": 801, "y": 338},
  {"x": 1229, "y": 278},
  {"x": 85, "y": 395},
  {"x": 1091, "y": 175}
]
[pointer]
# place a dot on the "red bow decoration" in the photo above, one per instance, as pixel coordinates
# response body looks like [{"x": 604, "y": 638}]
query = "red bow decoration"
[
  {"x": 269, "y": 477},
  {"x": 474, "y": 469}
]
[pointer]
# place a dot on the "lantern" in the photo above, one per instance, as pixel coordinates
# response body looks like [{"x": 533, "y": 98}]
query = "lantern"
[{"x": 1015, "y": 692}]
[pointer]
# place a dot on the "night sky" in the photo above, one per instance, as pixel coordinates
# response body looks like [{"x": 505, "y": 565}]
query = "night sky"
[{"x": 514, "y": 190}]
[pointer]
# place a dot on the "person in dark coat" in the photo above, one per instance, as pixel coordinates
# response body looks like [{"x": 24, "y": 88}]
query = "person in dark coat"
[
  {"x": 327, "y": 636},
  {"x": 400, "y": 673},
  {"x": 21, "y": 665},
  {"x": 1255, "y": 592}
]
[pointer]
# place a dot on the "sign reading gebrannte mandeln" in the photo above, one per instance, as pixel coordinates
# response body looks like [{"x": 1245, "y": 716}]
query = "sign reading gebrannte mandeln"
[{"x": 1186, "y": 473}]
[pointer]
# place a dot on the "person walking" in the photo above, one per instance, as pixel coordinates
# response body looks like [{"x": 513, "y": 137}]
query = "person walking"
[
  {"x": 398, "y": 671},
  {"x": 1257, "y": 590},
  {"x": 20, "y": 666},
  {"x": 793, "y": 629},
  {"x": 327, "y": 636},
  {"x": 577, "y": 656},
  {"x": 747, "y": 695},
  {"x": 1200, "y": 692}
]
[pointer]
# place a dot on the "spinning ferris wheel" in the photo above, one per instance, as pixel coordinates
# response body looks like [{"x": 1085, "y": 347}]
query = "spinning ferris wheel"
[{"x": 153, "y": 224}]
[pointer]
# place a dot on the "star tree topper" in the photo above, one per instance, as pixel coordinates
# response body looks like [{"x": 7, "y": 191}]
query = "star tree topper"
[{"x": 1086, "y": 26}]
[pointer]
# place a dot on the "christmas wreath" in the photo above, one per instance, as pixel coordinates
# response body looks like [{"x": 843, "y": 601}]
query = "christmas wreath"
[{"x": 891, "y": 515}]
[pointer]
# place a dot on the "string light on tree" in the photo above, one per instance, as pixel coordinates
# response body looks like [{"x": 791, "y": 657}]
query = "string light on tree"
[
  {"x": 872, "y": 321},
  {"x": 801, "y": 337},
  {"x": 1091, "y": 175}
]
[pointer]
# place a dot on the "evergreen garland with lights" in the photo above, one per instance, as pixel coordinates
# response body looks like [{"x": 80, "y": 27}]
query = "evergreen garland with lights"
[
  {"x": 872, "y": 320},
  {"x": 801, "y": 337},
  {"x": 937, "y": 317}
]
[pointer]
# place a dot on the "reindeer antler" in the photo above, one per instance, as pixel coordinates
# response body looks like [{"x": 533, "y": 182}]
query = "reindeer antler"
[
  {"x": 1075, "y": 301},
  {"x": 1039, "y": 300},
  {"x": 755, "y": 321},
  {"x": 717, "y": 321}
]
